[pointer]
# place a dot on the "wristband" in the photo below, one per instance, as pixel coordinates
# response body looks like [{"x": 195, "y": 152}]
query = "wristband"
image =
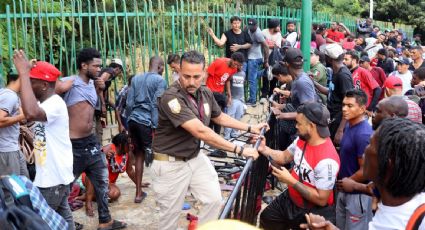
[
  {"x": 240, "y": 151},
  {"x": 234, "y": 150},
  {"x": 249, "y": 129}
]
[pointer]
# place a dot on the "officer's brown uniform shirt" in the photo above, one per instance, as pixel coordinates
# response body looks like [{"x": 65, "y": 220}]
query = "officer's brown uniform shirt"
[{"x": 175, "y": 107}]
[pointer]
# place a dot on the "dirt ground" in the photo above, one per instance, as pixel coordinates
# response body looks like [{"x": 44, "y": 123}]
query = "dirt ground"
[{"x": 145, "y": 215}]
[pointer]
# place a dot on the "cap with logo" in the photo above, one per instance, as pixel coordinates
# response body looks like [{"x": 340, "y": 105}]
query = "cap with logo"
[
  {"x": 117, "y": 61},
  {"x": 319, "y": 115},
  {"x": 252, "y": 22},
  {"x": 44, "y": 71},
  {"x": 393, "y": 82}
]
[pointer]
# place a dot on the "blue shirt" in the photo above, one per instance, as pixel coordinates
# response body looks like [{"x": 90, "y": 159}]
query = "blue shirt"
[
  {"x": 302, "y": 90},
  {"x": 40, "y": 206},
  {"x": 142, "y": 98},
  {"x": 80, "y": 91},
  {"x": 352, "y": 146}
]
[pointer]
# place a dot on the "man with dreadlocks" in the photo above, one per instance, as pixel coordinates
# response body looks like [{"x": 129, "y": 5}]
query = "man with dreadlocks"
[{"x": 395, "y": 162}]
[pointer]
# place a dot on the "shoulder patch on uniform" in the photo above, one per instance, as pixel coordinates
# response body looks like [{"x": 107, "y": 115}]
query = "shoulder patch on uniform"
[{"x": 174, "y": 105}]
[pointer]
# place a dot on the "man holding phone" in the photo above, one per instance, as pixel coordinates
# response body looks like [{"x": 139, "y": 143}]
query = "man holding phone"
[{"x": 311, "y": 181}]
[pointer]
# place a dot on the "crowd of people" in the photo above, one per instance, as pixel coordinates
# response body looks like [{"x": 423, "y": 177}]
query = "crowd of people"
[{"x": 351, "y": 145}]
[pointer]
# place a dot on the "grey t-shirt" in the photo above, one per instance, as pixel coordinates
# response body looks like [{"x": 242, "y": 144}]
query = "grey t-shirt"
[
  {"x": 237, "y": 85},
  {"x": 80, "y": 91},
  {"x": 9, "y": 102},
  {"x": 302, "y": 90},
  {"x": 257, "y": 38}
]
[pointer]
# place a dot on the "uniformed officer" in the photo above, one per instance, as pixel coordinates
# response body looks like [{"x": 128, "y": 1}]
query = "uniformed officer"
[{"x": 185, "y": 111}]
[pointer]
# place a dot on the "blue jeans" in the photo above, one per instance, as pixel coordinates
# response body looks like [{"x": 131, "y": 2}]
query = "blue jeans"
[
  {"x": 236, "y": 111},
  {"x": 89, "y": 159},
  {"x": 253, "y": 73},
  {"x": 57, "y": 198}
]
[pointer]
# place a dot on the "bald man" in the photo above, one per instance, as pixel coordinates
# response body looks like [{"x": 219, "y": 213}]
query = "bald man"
[
  {"x": 394, "y": 106},
  {"x": 143, "y": 118}
]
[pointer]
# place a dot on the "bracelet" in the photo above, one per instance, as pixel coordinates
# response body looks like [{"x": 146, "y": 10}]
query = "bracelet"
[
  {"x": 249, "y": 129},
  {"x": 240, "y": 151},
  {"x": 234, "y": 150}
]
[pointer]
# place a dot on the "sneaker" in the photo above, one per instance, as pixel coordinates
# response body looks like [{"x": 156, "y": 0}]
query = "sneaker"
[
  {"x": 263, "y": 100},
  {"x": 252, "y": 104}
]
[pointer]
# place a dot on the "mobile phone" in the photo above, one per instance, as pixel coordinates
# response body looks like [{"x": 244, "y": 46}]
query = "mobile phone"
[{"x": 274, "y": 163}]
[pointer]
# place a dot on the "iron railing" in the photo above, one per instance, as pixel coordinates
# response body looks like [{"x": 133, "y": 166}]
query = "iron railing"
[{"x": 245, "y": 200}]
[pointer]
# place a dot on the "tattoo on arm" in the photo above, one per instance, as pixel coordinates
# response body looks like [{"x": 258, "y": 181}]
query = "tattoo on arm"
[{"x": 302, "y": 189}]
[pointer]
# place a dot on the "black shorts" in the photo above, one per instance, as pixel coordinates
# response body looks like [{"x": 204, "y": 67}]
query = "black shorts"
[{"x": 141, "y": 136}]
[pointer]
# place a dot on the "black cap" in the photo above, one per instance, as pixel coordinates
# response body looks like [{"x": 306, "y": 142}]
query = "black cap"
[
  {"x": 293, "y": 55},
  {"x": 365, "y": 59},
  {"x": 402, "y": 60},
  {"x": 319, "y": 115},
  {"x": 252, "y": 22}
]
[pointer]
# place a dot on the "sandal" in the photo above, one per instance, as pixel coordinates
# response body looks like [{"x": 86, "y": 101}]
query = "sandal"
[
  {"x": 115, "y": 225},
  {"x": 140, "y": 199}
]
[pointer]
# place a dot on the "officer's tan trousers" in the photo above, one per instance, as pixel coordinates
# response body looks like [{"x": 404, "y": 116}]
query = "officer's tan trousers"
[{"x": 172, "y": 180}]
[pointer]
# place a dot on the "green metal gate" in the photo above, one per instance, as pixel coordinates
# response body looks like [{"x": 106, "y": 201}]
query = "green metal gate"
[{"x": 128, "y": 29}]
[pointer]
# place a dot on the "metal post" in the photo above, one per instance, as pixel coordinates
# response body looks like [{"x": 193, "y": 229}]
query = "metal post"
[
  {"x": 371, "y": 9},
  {"x": 306, "y": 32}
]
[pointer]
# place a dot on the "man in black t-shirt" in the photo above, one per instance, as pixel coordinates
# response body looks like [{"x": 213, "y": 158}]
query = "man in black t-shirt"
[
  {"x": 341, "y": 83},
  {"x": 234, "y": 39},
  {"x": 384, "y": 61}
]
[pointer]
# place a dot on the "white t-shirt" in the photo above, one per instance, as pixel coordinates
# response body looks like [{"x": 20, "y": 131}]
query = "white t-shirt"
[
  {"x": 388, "y": 218},
  {"x": 292, "y": 38},
  {"x": 405, "y": 78},
  {"x": 273, "y": 39},
  {"x": 52, "y": 146}
]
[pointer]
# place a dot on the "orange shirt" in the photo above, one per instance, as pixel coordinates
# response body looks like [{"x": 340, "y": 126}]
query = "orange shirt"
[{"x": 218, "y": 73}]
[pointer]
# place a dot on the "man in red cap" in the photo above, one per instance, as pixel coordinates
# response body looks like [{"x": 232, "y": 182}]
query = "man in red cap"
[
  {"x": 394, "y": 87},
  {"x": 52, "y": 146}
]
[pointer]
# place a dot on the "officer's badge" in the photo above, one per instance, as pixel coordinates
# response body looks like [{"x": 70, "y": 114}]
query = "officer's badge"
[
  {"x": 207, "y": 109},
  {"x": 174, "y": 105}
]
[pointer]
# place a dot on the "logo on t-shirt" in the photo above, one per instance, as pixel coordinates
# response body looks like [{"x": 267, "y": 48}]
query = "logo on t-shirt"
[{"x": 40, "y": 149}]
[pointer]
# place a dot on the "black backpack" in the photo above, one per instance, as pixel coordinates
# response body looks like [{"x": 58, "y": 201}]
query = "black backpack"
[{"x": 17, "y": 212}]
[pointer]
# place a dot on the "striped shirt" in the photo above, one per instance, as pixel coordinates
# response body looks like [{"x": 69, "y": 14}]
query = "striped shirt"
[{"x": 415, "y": 112}]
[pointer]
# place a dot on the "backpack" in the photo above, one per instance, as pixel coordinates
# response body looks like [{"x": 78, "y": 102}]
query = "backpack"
[
  {"x": 416, "y": 219},
  {"x": 18, "y": 212},
  {"x": 275, "y": 56}
]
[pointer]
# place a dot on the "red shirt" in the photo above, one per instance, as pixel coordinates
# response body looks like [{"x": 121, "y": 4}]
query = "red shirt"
[
  {"x": 319, "y": 168},
  {"x": 218, "y": 73},
  {"x": 335, "y": 35},
  {"x": 363, "y": 79},
  {"x": 380, "y": 77},
  {"x": 120, "y": 164}
]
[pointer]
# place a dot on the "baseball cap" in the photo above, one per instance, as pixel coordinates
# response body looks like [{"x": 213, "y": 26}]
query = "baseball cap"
[
  {"x": 332, "y": 50},
  {"x": 365, "y": 59},
  {"x": 252, "y": 22},
  {"x": 117, "y": 61},
  {"x": 286, "y": 45},
  {"x": 314, "y": 51},
  {"x": 319, "y": 115},
  {"x": 293, "y": 55},
  {"x": 402, "y": 60},
  {"x": 393, "y": 82},
  {"x": 44, "y": 71}
]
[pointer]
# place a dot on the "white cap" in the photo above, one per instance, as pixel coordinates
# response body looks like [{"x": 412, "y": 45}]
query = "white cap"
[
  {"x": 332, "y": 50},
  {"x": 117, "y": 61}
]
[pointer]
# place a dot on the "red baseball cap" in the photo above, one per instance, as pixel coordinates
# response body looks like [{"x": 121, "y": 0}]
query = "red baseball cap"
[
  {"x": 44, "y": 71},
  {"x": 393, "y": 82}
]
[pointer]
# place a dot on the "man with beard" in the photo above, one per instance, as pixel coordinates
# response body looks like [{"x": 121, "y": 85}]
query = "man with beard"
[
  {"x": 363, "y": 79},
  {"x": 311, "y": 181},
  {"x": 291, "y": 35},
  {"x": 81, "y": 101}
]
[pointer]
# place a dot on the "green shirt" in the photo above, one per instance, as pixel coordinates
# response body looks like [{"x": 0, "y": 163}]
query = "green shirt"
[{"x": 319, "y": 75}]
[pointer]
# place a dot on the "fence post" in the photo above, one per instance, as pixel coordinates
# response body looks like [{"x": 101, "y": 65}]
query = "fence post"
[
  {"x": 306, "y": 32},
  {"x": 9, "y": 34}
]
